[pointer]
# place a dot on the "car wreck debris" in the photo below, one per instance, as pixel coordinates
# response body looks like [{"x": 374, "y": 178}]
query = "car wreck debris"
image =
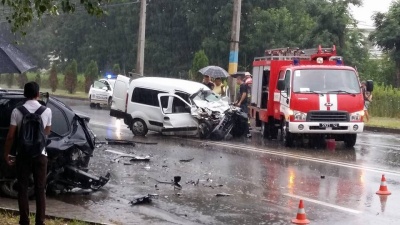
[
  {"x": 142, "y": 199},
  {"x": 134, "y": 158},
  {"x": 222, "y": 194},
  {"x": 174, "y": 182},
  {"x": 117, "y": 141},
  {"x": 186, "y": 160}
]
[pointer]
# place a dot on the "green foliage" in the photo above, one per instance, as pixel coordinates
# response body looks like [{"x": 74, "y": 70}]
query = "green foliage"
[
  {"x": 38, "y": 78},
  {"x": 385, "y": 102},
  {"x": 53, "y": 80},
  {"x": 22, "y": 80},
  {"x": 387, "y": 35},
  {"x": 200, "y": 60},
  {"x": 71, "y": 76},
  {"x": 23, "y": 12},
  {"x": 10, "y": 80},
  {"x": 116, "y": 69},
  {"x": 91, "y": 74}
]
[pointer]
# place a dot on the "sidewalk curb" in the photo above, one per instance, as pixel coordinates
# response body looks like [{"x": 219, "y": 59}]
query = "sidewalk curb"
[
  {"x": 15, "y": 212},
  {"x": 69, "y": 97},
  {"x": 382, "y": 129}
]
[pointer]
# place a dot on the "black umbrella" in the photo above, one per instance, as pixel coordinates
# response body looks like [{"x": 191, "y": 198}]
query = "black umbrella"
[
  {"x": 214, "y": 71},
  {"x": 12, "y": 60}
]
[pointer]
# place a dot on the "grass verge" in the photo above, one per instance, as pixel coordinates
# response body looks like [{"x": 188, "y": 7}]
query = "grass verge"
[
  {"x": 8, "y": 218},
  {"x": 384, "y": 122}
]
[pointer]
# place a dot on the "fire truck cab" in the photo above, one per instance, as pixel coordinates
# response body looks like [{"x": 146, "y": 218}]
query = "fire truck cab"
[{"x": 306, "y": 94}]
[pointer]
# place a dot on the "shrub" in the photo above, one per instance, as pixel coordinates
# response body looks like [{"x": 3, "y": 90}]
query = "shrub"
[
  {"x": 53, "y": 80},
  {"x": 38, "y": 78},
  {"x": 22, "y": 80},
  {"x": 116, "y": 69},
  {"x": 71, "y": 77},
  {"x": 91, "y": 74},
  {"x": 200, "y": 60},
  {"x": 9, "y": 80}
]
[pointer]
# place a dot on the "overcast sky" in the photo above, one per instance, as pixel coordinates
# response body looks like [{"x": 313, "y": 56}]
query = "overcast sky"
[{"x": 363, "y": 14}]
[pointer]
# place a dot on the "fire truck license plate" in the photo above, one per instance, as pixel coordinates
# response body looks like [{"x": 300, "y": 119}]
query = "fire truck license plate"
[{"x": 326, "y": 125}]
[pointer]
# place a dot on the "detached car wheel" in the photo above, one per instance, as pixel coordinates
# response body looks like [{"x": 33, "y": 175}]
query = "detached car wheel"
[
  {"x": 204, "y": 130},
  {"x": 139, "y": 127}
]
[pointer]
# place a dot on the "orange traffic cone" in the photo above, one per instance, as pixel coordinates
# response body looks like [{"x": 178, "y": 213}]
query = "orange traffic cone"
[
  {"x": 383, "y": 190},
  {"x": 301, "y": 215}
]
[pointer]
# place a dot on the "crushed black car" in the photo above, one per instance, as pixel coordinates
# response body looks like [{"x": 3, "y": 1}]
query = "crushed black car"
[{"x": 70, "y": 147}]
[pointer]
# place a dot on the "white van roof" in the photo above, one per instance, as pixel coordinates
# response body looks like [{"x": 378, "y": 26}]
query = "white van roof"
[{"x": 162, "y": 83}]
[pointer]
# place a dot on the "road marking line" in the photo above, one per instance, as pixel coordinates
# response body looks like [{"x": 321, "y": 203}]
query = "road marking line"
[
  {"x": 324, "y": 203},
  {"x": 307, "y": 158},
  {"x": 394, "y": 147}
]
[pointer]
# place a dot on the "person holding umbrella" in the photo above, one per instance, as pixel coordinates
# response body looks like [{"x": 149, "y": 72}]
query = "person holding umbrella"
[
  {"x": 207, "y": 81},
  {"x": 212, "y": 72}
]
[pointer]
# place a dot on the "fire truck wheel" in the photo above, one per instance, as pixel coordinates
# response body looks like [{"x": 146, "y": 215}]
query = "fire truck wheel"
[
  {"x": 264, "y": 130},
  {"x": 287, "y": 136},
  {"x": 350, "y": 140}
]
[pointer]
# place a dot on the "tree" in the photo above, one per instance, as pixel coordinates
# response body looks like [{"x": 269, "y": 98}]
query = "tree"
[
  {"x": 22, "y": 80},
  {"x": 53, "y": 80},
  {"x": 91, "y": 74},
  {"x": 38, "y": 78},
  {"x": 71, "y": 76},
  {"x": 200, "y": 60},
  {"x": 387, "y": 35},
  {"x": 10, "y": 80},
  {"x": 116, "y": 69},
  {"x": 23, "y": 12}
]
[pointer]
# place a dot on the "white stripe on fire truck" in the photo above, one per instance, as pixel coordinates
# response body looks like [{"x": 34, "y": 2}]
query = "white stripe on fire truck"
[
  {"x": 322, "y": 101},
  {"x": 334, "y": 102}
]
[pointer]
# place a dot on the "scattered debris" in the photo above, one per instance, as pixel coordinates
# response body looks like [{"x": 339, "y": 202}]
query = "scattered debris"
[
  {"x": 133, "y": 157},
  {"x": 146, "y": 167},
  {"x": 174, "y": 182},
  {"x": 222, "y": 194},
  {"x": 141, "y": 199},
  {"x": 127, "y": 142},
  {"x": 213, "y": 186},
  {"x": 119, "y": 142},
  {"x": 186, "y": 160}
]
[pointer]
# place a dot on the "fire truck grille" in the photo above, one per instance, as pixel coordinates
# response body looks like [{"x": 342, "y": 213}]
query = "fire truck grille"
[{"x": 327, "y": 116}]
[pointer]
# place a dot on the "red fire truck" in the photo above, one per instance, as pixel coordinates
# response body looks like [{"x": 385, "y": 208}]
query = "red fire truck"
[{"x": 306, "y": 94}]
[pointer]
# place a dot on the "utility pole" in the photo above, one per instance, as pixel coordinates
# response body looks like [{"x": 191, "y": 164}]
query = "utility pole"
[
  {"x": 234, "y": 47},
  {"x": 141, "y": 38}
]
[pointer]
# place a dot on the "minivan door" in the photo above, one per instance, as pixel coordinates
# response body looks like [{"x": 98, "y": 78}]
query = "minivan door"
[
  {"x": 120, "y": 97},
  {"x": 178, "y": 119}
]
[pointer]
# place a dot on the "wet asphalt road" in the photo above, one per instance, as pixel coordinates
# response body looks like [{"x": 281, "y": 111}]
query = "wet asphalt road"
[{"x": 265, "y": 179}]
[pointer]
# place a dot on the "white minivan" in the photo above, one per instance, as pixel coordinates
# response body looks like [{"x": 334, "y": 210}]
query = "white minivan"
[{"x": 163, "y": 105}]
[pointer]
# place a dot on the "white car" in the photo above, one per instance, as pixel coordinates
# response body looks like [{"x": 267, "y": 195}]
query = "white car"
[
  {"x": 162, "y": 105},
  {"x": 101, "y": 92}
]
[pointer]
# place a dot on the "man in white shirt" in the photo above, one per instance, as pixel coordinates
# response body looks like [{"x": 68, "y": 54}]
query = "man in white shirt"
[{"x": 27, "y": 164}]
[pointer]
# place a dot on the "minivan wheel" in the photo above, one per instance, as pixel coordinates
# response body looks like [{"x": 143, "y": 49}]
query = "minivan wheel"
[{"x": 139, "y": 127}]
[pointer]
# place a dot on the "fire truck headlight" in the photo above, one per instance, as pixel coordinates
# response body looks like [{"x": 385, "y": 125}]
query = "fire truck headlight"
[
  {"x": 356, "y": 116},
  {"x": 299, "y": 116}
]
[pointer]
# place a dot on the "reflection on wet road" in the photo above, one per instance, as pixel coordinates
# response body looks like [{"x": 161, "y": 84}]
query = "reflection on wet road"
[{"x": 265, "y": 180}]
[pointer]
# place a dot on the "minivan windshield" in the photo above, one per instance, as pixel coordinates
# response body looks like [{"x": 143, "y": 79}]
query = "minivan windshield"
[
  {"x": 206, "y": 95},
  {"x": 325, "y": 81}
]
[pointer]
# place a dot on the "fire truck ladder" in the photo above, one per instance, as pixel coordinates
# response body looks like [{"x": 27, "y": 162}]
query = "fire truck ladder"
[{"x": 296, "y": 53}]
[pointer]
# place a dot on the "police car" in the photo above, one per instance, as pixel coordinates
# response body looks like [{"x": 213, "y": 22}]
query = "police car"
[{"x": 101, "y": 92}]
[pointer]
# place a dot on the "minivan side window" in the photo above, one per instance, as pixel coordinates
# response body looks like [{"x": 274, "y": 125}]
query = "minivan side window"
[{"x": 145, "y": 96}]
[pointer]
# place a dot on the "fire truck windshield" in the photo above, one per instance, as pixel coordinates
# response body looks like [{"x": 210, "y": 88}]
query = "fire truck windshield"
[{"x": 325, "y": 81}]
